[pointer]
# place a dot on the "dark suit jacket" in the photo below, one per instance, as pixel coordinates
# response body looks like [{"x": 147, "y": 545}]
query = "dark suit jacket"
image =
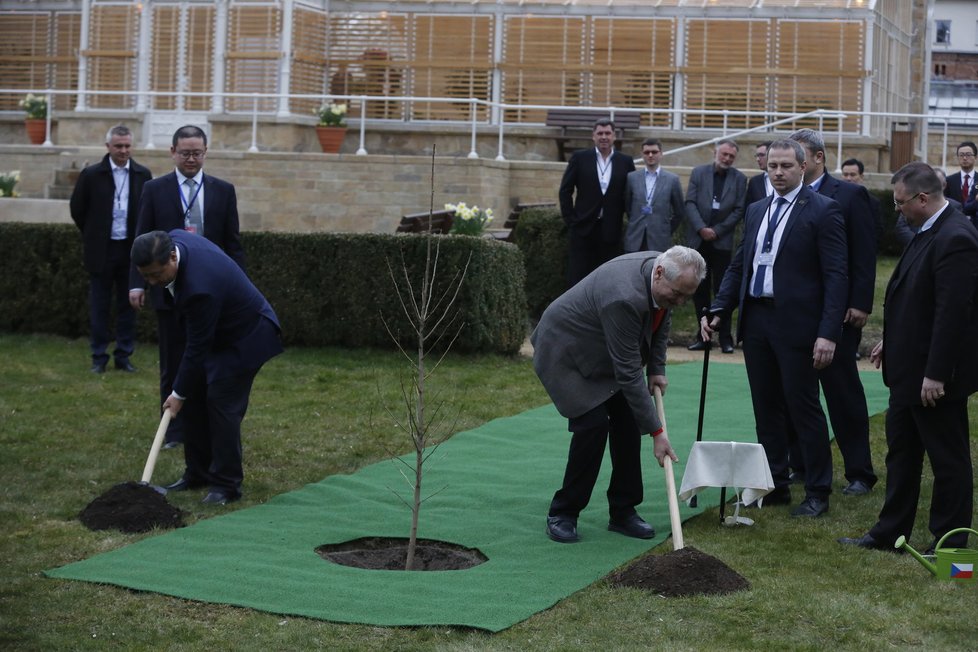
[
  {"x": 91, "y": 208},
  {"x": 953, "y": 191},
  {"x": 581, "y": 212},
  {"x": 699, "y": 202},
  {"x": 902, "y": 231},
  {"x": 161, "y": 209},
  {"x": 596, "y": 339},
  {"x": 929, "y": 312},
  {"x": 857, "y": 212},
  {"x": 810, "y": 286},
  {"x": 231, "y": 328},
  {"x": 756, "y": 188}
]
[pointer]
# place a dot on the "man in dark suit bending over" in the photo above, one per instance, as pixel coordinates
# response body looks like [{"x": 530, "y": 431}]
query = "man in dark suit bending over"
[
  {"x": 184, "y": 199},
  {"x": 930, "y": 364},
  {"x": 788, "y": 279},
  {"x": 592, "y": 202},
  {"x": 599, "y": 350},
  {"x": 231, "y": 331}
]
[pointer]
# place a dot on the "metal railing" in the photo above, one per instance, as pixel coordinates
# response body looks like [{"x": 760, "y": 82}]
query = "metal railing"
[{"x": 495, "y": 113}]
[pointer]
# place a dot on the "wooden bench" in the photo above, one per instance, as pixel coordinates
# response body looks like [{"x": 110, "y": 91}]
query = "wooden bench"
[
  {"x": 509, "y": 226},
  {"x": 440, "y": 222},
  {"x": 578, "y": 125}
]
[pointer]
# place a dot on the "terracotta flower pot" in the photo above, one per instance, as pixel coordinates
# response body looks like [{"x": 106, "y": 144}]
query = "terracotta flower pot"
[
  {"x": 330, "y": 138},
  {"x": 36, "y": 130}
]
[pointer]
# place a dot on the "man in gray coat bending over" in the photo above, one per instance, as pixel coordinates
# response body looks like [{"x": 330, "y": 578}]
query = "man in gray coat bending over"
[{"x": 599, "y": 350}]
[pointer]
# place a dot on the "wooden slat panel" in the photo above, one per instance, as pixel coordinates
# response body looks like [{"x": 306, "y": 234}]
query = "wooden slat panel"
[
  {"x": 452, "y": 57},
  {"x": 164, "y": 55},
  {"x": 113, "y": 40},
  {"x": 543, "y": 63},
  {"x": 309, "y": 69},
  {"x": 199, "y": 56},
  {"x": 38, "y": 50},
  {"x": 253, "y": 32}
]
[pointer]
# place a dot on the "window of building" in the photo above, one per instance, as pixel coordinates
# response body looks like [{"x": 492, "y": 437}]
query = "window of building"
[{"x": 942, "y": 32}]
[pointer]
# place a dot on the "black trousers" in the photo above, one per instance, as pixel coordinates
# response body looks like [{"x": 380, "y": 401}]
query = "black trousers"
[
  {"x": 717, "y": 261},
  {"x": 109, "y": 286},
  {"x": 585, "y": 253},
  {"x": 610, "y": 422},
  {"x": 173, "y": 340},
  {"x": 212, "y": 439},
  {"x": 846, "y": 402},
  {"x": 942, "y": 433},
  {"x": 783, "y": 385}
]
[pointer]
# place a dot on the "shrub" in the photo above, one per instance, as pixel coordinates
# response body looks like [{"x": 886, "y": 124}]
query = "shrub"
[
  {"x": 542, "y": 237},
  {"x": 326, "y": 288}
]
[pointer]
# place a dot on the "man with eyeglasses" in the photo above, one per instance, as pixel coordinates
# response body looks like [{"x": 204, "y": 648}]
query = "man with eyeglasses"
[
  {"x": 961, "y": 185},
  {"x": 600, "y": 350},
  {"x": 654, "y": 198},
  {"x": 202, "y": 204},
  {"x": 930, "y": 365}
]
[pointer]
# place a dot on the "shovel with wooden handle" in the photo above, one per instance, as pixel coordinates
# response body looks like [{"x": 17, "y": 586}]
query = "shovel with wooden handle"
[
  {"x": 674, "y": 522},
  {"x": 154, "y": 452}
]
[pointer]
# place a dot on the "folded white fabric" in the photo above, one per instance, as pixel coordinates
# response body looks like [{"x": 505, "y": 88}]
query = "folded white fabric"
[{"x": 727, "y": 464}]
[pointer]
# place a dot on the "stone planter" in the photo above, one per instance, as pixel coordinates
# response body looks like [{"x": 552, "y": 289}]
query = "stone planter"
[
  {"x": 36, "y": 130},
  {"x": 330, "y": 138}
]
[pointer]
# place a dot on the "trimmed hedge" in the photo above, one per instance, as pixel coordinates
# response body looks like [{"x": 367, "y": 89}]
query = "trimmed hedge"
[{"x": 327, "y": 289}]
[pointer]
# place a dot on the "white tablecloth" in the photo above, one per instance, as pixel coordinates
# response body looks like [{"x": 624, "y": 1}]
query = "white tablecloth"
[{"x": 727, "y": 464}]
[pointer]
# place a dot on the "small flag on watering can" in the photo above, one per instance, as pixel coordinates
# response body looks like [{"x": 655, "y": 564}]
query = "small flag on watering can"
[{"x": 962, "y": 571}]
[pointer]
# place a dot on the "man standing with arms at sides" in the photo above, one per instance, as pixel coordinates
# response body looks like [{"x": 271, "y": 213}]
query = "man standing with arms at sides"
[
  {"x": 231, "y": 333},
  {"x": 841, "y": 385},
  {"x": 930, "y": 365},
  {"x": 599, "y": 350},
  {"x": 715, "y": 202},
  {"x": 759, "y": 186},
  {"x": 961, "y": 185},
  {"x": 654, "y": 198},
  {"x": 103, "y": 207},
  {"x": 852, "y": 171},
  {"x": 594, "y": 214},
  {"x": 788, "y": 279},
  {"x": 202, "y": 204}
]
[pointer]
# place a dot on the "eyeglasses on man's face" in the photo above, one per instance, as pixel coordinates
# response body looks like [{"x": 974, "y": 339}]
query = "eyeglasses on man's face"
[
  {"x": 900, "y": 202},
  {"x": 965, "y": 155},
  {"x": 187, "y": 155}
]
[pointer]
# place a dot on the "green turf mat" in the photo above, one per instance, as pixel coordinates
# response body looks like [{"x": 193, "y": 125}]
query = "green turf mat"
[{"x": 496, "y": 483}]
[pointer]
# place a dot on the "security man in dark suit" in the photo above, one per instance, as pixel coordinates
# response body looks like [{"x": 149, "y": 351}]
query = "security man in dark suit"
[
  {"x": 103, "y": 207},
  {"x": 184, "y": 199},
  {"x": 930, "y": 365},
  {"x": 758, "y": 186},
  {"x": 231, "y": 331},
  {"x": 788, "y": 280},
  {"x": 841, "y": 385},
  {"x": 593, "y": 215}
]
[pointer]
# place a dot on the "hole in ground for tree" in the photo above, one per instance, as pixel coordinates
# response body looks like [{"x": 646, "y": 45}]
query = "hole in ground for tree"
[{"x": 390, "y": 553}]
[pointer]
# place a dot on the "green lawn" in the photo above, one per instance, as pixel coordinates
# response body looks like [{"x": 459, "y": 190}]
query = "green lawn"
[{"x": 66, "y": 436}]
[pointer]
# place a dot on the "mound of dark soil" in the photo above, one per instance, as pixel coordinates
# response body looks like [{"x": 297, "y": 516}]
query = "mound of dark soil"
[
  {"x": 130, "y": 507},
  {"x": 390, "y": 553},
  {"x": 682, "y": 572}
]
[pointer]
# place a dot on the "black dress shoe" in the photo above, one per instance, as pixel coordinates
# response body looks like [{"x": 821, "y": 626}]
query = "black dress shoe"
[
  {"x": 183, "y": 484},
  {"x": 867, "y": 541},
  {"x": 98, "y": 368},
  {"x": 220, "y": 498},
  {"x": 171, "y": 444},
  {"x": 632, "y": 526},
  {"x": 698, "y": 345},
  {"x": 857, "y": 488},
  {"x": 779, "y": 496},
  {"x": 726, "y": 347},
  {"x": 562, "y": 529},
  {"x": 124, "y": 365},
  {"x": 811, "y": 507}
]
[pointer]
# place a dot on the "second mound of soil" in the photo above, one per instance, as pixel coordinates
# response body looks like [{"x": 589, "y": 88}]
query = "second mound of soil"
[
  {"x": 682, "y": 572},
  {"x": 130, "y": 507}
]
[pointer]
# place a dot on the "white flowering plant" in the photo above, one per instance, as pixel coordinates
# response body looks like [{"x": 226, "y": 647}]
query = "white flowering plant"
[
  {"x": 34, "y": 106},
  {"x": 7, "y": 182},
  {"x": 332, "y": 114},
  {"x": 469, "y": 220}
]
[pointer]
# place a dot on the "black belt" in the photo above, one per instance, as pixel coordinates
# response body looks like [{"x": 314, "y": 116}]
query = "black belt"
[{"x": 761, "y": 301}]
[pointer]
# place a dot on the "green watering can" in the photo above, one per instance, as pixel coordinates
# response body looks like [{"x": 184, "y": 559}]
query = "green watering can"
[{"x": 952, "y": 563}]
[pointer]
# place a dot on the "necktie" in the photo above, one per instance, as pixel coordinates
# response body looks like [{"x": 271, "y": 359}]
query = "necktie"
[
  {"x": 657, "y": 316},
  {"x": 772, "y": 225},
  {"x": 193, "y": 219},
  {"x": 964, "y": 188}
]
